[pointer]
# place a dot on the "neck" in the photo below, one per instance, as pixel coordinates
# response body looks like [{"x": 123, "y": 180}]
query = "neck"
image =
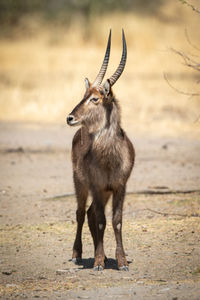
[{"x": 108, "y": 137}]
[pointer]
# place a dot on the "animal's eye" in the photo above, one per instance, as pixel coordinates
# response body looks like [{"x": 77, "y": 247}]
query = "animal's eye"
[{"x": 95, "y": 100}]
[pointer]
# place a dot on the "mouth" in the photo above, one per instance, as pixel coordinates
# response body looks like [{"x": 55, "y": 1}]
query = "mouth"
[{"x": 74, "y": 123}]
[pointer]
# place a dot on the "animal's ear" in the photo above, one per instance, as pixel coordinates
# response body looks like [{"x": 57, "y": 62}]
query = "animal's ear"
[
  {"x": 87, "y": 83},
  {"x": 106, "y": 87}
]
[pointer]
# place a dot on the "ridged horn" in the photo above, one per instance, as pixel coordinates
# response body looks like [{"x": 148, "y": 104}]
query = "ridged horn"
[
  {"x": 104, "y": 66},
  {"x": 122, "y": 64}
]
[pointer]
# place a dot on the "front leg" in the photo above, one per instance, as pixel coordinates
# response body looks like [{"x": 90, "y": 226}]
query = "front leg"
[
  {"x": 81, "y": 195},
  {"x": 118, "y": 199},
  {"x": 99, "y": 201},
  {"x": 100, "y": 228}
]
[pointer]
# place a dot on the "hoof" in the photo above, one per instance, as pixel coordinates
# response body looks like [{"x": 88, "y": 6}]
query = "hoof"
[
  {"x": 124, "y": 268},
  {"x": 77, "y": 260},
  {"x": 98, "y": 268}
]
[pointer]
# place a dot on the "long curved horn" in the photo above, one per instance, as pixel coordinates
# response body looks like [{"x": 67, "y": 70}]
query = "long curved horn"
[
  {"x": 122, "y": 64},
  {"x": 104, "y": 66}
]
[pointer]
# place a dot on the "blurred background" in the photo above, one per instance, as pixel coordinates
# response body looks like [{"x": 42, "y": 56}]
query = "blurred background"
[{"x": 48, "y": 47}]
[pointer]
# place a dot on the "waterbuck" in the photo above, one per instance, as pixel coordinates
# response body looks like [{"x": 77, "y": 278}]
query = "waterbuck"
[{"x": 102, "y": 157}]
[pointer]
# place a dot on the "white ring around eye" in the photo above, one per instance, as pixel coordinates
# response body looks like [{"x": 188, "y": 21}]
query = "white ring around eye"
[{"x": 91, "y": 99}]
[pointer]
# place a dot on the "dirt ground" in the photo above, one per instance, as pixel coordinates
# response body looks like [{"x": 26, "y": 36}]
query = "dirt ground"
[{"x": 161, "y": 225}]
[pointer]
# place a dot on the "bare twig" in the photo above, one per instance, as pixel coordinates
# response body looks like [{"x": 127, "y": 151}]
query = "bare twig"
[
  {"x": 172, "y": 214},
  {"x": 197, "y": 119},
  {"x": 177, "y": 90},
  {"x": 189, "y": 41},
  {"x": 191, "y": 6},
  {"x": 188, "y": 60},
  {"x": 141, "y": 192}
]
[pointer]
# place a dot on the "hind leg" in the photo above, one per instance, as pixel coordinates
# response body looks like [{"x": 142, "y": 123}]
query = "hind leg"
[
  {"x": 81, "y": 195},
  {"x": 92, "y": 218}
]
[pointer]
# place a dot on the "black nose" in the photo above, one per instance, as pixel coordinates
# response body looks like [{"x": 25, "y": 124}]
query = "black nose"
[{"x": 70, "y": 118}]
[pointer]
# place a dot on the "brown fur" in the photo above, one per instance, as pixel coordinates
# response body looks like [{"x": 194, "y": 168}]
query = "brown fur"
[{"x": 103, "y": 158}]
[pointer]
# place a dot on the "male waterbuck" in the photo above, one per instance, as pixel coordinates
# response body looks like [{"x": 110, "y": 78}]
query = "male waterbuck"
[{"x": 102, "y": 157}]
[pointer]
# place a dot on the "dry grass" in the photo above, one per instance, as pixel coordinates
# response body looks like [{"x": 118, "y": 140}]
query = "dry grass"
[{"x": 41, "y": 77}]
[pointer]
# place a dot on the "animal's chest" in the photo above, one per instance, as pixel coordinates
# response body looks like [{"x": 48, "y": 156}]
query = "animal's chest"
[
  {"x": 106, "y": 158},
  {"x": 103, "y": 167}
]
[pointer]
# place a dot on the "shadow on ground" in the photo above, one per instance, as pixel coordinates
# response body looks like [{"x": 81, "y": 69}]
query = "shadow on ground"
[{"x": 88, "y": 263}]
